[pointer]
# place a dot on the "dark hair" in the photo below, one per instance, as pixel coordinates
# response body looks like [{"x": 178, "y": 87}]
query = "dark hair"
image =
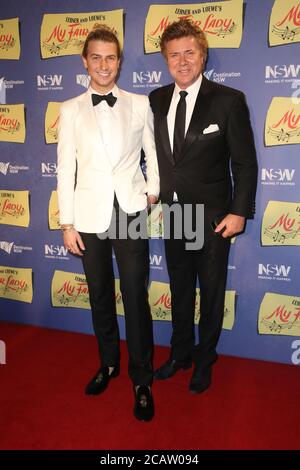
[
  {"x": 104, "y": 33},
  {"x": 180, "y": 29}
]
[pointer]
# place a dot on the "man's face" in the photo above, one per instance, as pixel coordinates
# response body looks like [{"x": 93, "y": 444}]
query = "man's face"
[
  {"x": 102, "y": 64},
  {"x": 185, "y": 60}
]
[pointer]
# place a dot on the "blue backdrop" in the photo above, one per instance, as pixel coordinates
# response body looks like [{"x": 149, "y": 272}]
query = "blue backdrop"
[{"x": 245, "y": 68}]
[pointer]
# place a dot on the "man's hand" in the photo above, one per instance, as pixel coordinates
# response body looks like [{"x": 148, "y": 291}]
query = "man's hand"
[
  {"x": 234, "y": 224},
  {"x": 73, "y": 242}
]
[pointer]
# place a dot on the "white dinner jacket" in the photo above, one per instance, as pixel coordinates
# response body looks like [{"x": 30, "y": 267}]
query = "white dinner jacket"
[{"x": 87, "y": 201}]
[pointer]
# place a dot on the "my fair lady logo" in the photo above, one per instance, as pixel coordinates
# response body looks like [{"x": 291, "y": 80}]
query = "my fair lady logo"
[
  {"x": 8, "y": 124},
  {"x": 284, "y": 26},
  {"x": 287, "y": 127},
  {"x": 12, "y": 208},
  {"x": 211, "y": 25}
]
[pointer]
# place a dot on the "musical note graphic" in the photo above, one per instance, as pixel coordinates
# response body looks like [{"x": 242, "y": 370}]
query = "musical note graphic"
[
  {"x": 14, "y": 129},
  {"x": 62, "y": 299},
  {"x": 275, "y": 236},
  {"x": 160, "y": 314},
  {"x": 82, "y": 298},
  {"x": 71, "y": 300},
  {"x": 56, "y": 49},
  {"x": 226, "y": 312},
  {"x": 232, "y": 27},
  {"x": 286, "y": 33},
  {"x": 7, "y": 45},
  {"x": 282, "y": 135},
  {"x": 11, "y": 129},
  {"x": 53, "y": 133},
  {"x": 155, "y": 42},
  {"x": 55, "y": 220},
  {"x": 278, "y": 237},
  {"x": 275, "y": 327},
  {"x": 78, "y": 42},
  {"x": 222, "y": 32}
]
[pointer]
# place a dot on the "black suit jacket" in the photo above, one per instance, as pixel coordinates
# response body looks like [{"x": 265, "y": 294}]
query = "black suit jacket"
[{"x": 202, "y": 173}]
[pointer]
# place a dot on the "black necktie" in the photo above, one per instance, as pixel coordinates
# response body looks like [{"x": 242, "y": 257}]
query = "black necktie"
[
  {"x": 110, "y": 99},
  {"x": 179, "y": 127}
]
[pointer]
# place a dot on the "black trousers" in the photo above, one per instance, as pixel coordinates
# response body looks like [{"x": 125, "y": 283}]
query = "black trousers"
[
  {"x": 209, "y": 264},
  {"x": 132, "y": 258}
]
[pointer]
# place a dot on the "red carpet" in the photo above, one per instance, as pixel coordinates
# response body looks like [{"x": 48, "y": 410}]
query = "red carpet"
[{"x": 250, "y": 405}]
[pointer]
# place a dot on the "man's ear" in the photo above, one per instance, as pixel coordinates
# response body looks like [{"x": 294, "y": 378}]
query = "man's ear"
[{"x": 84, "y": 62}]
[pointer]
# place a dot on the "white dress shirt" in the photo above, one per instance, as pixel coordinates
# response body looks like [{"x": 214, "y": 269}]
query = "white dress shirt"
[
  {"x": 108, "y": 120},
  {"x": 192, "y": 93}
]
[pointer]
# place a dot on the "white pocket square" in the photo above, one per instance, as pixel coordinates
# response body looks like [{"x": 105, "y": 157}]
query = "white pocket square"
[{"x": 211, "y": 128}]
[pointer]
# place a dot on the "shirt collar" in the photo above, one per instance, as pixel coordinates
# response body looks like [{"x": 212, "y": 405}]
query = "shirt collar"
[
  {"x": 191, "y": 90},
  {"x": 114, "y": 91}
]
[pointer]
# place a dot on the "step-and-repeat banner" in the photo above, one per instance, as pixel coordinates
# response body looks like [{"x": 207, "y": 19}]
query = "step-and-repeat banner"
[{"x": 254, "y": 46}]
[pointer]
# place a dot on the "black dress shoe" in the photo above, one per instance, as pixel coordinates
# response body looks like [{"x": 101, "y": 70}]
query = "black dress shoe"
[
  {"x": 201, "y": 380},
  {"x": 101, "y": 380},
  {"x": 169, "y": 368},
  {"x": 144, "y": 405}
]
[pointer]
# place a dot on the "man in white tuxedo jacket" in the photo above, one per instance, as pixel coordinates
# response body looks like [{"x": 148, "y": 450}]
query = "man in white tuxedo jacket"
[{"x": 101, "y": 134}]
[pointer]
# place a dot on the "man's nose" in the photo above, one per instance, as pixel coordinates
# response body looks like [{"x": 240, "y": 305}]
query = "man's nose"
[
  {"x": 103, "y": 64},
  {"x": 182, "y": 59}
]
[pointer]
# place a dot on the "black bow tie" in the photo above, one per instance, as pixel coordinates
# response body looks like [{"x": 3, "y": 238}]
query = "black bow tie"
[{"x": 110, "y": 99}]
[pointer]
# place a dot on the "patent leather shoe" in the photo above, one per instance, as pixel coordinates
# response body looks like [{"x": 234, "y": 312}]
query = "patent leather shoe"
[
  {"x": 100, "y": 381},
  {"x": 144, "y": 404},
  {"x": 169, "y": 368}
]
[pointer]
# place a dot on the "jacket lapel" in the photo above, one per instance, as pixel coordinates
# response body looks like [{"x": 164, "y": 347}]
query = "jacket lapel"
[
  {"x": 122, "y": 130},
  {"x": 201, "y": 109},
  {"x": 92, "y": 132},
  {"x": 163, "y": 123},
  {"x": 88, "y": 116},
  {"x": 124, "y": 118}
]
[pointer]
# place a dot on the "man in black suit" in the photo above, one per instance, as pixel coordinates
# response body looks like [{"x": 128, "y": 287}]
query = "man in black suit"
[{"x": 202, "y": 130}]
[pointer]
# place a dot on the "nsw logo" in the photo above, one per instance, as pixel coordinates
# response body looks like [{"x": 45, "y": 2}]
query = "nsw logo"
[
  {"x": 49, "y": 169},
  {"x": 83, "y": 80},
  {"x": 49, "y": 82},
  {"x": 282, "y": 73},
  {"x": 274, "y": 272},
  {"x": 278, "y": 176},
  {"x": 146, "y": 79},
  {"x": 155, "y": 262},
  {"x": 56, "y": 252}
]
